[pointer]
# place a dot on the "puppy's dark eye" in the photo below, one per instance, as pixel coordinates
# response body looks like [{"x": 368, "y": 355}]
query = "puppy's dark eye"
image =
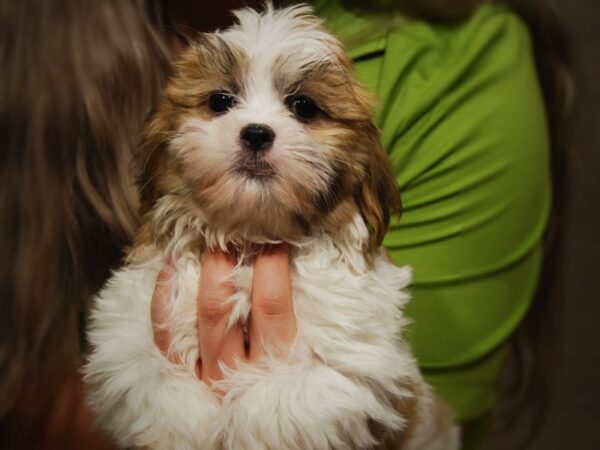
[
  {"x": 220, "y": 102},
  {"x": 303, "y": 107}
]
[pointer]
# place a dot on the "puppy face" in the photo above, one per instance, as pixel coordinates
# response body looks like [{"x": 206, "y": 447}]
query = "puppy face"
[{"x": 265, "y": 132}]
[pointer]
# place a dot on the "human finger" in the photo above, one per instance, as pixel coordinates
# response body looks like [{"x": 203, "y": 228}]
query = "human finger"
[
  {"x": 217, "y": 343},
  {"x": 272, "y": 321}
]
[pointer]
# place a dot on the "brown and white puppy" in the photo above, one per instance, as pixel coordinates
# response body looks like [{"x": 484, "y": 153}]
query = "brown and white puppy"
[{"x": 264, "y": 136}]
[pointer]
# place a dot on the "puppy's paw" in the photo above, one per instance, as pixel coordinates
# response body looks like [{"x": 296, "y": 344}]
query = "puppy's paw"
[{"x": 299, "y": 405}]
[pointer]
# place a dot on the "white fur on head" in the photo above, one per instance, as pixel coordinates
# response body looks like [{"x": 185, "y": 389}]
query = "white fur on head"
[
  {"x": 274, "y": 45},
  {"x": 314, "y": 166}
]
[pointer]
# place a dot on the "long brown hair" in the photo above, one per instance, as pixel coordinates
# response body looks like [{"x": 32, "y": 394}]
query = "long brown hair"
[{"x": 78, "y": 79}]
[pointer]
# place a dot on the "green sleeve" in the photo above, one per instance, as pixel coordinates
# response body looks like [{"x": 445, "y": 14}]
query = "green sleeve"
[{"x": 463, "y": 122}]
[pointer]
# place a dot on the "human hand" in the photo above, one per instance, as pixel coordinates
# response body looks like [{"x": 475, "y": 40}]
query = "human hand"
[{"x": 272, "y": 324}]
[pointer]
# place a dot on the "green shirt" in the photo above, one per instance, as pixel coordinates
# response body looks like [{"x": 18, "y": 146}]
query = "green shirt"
[{"x": 464, "y": 124}]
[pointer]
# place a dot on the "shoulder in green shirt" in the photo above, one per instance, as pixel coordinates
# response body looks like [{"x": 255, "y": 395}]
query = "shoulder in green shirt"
[{"x": 463, "y": 121}]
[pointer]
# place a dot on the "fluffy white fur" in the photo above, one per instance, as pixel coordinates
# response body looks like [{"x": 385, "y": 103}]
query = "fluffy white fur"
[{"x": 348, "y": 367}]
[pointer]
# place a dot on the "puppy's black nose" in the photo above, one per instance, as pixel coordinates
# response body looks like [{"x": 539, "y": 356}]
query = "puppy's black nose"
[{"x": 257, "y": 137}]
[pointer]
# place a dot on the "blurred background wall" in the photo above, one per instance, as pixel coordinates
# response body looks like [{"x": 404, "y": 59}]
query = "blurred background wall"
[{"x": 574, "y": 420}]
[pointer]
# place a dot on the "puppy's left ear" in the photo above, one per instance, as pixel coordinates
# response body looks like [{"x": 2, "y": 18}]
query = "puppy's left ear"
[{"x": 378, "y": 195}]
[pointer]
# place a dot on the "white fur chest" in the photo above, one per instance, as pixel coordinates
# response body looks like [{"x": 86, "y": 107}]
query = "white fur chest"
[{"x": 347, "y": 368}]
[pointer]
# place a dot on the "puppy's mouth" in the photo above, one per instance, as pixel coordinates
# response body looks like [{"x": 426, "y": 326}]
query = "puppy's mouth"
[{"x": 254, "y": 166}]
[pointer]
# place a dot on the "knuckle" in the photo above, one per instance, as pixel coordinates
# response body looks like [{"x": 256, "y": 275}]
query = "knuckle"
[
  {"x": 211, "y": 312},
  {"x": 270, "y": 306},
  {"x": 162, "y": 339}
]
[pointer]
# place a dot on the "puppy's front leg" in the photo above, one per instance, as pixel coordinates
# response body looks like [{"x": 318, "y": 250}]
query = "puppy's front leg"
[{"x": 141, "y": 398}]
